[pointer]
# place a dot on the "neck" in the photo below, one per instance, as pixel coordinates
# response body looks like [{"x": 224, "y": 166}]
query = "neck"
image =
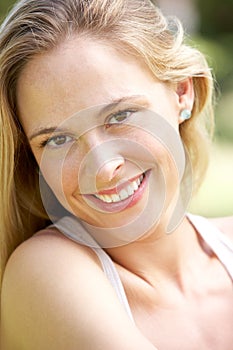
[{"x": 160, "y": 256}]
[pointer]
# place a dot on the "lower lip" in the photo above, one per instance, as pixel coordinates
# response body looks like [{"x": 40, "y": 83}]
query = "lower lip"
[{"x": 124, "y": 204}]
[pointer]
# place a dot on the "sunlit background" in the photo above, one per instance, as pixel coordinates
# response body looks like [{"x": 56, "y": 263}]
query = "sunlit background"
[{"x": 209, "y": 26}]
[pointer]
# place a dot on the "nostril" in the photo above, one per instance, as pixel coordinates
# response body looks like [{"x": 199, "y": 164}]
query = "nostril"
[
  {"x": 111, "y": 169},
  {"x": 117, "y": 169}
]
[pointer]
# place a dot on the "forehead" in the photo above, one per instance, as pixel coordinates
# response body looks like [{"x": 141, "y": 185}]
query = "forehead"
[
  {"x": 77, "y": 57},
  {"x": 78, "y": 74}
]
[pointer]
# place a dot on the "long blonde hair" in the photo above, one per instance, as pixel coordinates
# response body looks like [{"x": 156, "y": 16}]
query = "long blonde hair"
[{"x": 36, "y": 26}]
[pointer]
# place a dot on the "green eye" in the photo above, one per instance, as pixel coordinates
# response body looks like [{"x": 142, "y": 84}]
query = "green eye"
[
  {"x": 119, "y": 117},
  {"x": 59, "y": 140}
]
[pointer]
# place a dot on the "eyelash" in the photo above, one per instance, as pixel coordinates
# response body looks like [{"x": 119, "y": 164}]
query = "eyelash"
[
  {"x": 120, "y": 112},
  {"x": 46, "y": 142},
  {"x": 108, "y": 124}
]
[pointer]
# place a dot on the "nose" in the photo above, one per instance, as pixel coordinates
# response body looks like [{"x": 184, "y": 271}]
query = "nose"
[
  {"x": 109, "y": 170},
  {"x": 102, "y": 164}
]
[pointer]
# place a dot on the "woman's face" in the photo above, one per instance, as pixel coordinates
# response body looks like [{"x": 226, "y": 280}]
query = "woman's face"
[{"x": 103, "y": 131}]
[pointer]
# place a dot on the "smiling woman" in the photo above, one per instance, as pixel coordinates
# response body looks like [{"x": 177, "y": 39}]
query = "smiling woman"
[{"x": 105, "y": 114}]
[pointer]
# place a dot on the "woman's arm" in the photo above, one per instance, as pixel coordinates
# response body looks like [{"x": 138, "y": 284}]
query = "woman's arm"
[{"x": 55, "y": 297}]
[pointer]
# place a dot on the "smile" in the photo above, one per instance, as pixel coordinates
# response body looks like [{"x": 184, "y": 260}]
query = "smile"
[
  {"x": 123, "y": 194},
  {"x": 121, "y": 197}
]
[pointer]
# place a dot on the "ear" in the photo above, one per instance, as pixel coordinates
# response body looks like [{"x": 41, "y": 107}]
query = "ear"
[{"x": 185, "y": 96}]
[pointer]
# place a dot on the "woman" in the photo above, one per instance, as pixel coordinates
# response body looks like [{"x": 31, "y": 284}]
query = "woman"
[{"x": 96, "y": 97}]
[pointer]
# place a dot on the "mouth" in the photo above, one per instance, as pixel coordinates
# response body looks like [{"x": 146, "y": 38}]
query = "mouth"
[
  {"x": 127, "y": 191},
  {"x": 121, "y": 197}
]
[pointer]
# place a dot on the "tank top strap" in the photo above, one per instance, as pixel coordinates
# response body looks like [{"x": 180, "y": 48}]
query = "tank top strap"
[
  {"x": 73, "y": 229},
  {"x": 216, "y": 240},
  {"x": 114, "y": 278}
]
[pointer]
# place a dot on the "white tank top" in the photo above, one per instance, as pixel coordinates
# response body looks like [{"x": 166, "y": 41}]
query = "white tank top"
[{"x": 215, "y": 240}]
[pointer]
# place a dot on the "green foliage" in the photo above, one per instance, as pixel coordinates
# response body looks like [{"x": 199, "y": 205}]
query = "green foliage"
[
  {"x": 5, "y": 6},
  {"x": 215, "y": 197},
  {"x": 220, "y": 57},
  {"x": 216, "y": 17},
  {"x": 217, "y": 54}
]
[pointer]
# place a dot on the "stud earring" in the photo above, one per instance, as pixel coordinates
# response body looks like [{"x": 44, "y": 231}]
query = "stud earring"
[{"x": 185, "y": 114}]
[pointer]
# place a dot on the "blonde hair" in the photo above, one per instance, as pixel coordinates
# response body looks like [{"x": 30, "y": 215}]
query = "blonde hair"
[{"x": 36, "y": 26}]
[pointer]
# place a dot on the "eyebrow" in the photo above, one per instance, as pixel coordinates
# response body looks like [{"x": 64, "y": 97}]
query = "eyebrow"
[
  {"x": 44, "y": 131},
  {"x": 132, "y": 98},
  {"x": 104, "y": 110}
]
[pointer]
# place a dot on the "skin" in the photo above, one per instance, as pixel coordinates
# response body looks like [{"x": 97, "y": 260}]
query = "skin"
[
  {"x": 55, "y": 304},
  {"x": 82, "y": 85}
]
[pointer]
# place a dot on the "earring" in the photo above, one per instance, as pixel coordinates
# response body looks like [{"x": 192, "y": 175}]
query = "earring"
[{"x": 185, "y": 114}]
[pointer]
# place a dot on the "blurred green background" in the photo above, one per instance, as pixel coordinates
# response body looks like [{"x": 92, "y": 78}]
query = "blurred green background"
[{"x": 209, "y": 26}]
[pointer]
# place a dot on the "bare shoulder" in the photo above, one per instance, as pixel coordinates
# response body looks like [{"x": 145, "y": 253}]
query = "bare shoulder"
[
  {"x": 224, "y": 224},
  {"x": 37, "y": 276},
  {"x": 56, "y": 296}
]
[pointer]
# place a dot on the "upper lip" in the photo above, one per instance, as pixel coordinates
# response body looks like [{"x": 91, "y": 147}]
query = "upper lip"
[{"x": 118, "y": 188}]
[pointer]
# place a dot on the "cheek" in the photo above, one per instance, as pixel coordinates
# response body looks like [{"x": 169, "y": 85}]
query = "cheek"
[
  {"x": 169, "y": 163},
  {"x": 61, "y": 175}
]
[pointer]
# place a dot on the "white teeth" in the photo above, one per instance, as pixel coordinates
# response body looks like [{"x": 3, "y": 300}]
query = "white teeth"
[
  {"x": 115, "y": 198},
  {"x": 100, "y": 196},
  {"x": 124, "y": 193},
  {"x": 130, "y": 190},
  {"x": 134, "y": 185},
  {"x": 107, "y": 198}
]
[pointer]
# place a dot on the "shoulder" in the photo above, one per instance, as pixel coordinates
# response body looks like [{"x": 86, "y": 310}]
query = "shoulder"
[
  {"x": 48, "y": 253},
  {"x": 41, "y": 272},
  {"x": 56, "y": 296}
]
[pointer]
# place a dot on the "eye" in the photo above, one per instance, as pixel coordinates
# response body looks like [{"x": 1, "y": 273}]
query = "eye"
[
  {"x": 57, "y": 141},
  {"x": 119, "y": 117}
]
